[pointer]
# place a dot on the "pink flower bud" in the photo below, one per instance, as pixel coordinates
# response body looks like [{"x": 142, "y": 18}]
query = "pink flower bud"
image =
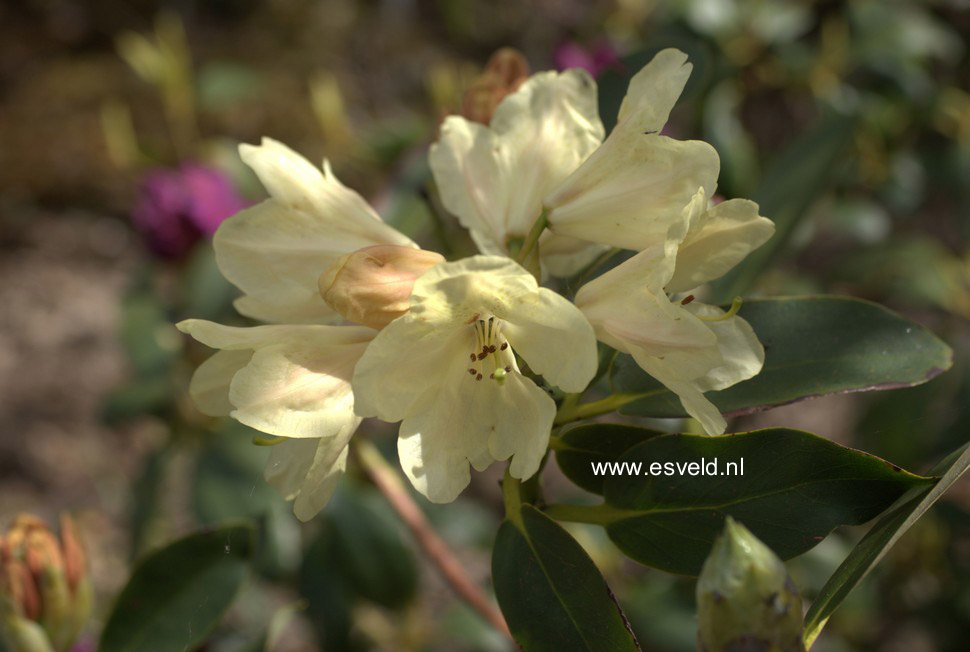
[{"x": 372, "y": 286}]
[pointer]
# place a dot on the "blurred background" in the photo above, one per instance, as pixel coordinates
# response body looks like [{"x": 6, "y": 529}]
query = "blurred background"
[{"x": 848, "y": 121}]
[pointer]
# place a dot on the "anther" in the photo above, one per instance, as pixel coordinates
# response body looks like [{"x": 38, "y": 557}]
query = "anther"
[
  {"x": 481, "y": 356},
  {"x": 504, "y": 346},
  {"x": 473, "y": 357},
  {"x": 491, "y": 349},
  {"x": 478, "y": 377},
  {"x": 508, "y": 369},
  {"x": 473, "y": 371},
  {"x": 687, "y": 299}
]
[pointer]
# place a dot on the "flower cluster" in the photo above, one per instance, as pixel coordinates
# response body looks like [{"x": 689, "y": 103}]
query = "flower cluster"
[{"x": 360, "y": 322}]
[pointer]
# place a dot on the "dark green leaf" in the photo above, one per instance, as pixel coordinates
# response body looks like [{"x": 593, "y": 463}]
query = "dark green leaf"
[
  {"x": 883, "y": 535},
  {"x": 790, "y": 488},
  {"x": 551, "y": 593},
  {"x": 580, "y": 448},
  {"x": 329, "y": 599},
  {"x": 374, "y": 557},
  {"x": 813, "y": 346},
  {"x": 177, "y": 594},
  {"x": 792, "y": 182},
  {"x": 145, "y": 496}
]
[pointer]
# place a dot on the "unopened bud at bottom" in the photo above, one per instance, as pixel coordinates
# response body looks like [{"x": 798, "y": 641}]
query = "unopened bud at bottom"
[{"x": 745, "y": 598}]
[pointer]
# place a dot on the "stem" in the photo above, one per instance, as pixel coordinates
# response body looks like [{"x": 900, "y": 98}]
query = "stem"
[
  {"x": 594, "y": 514},
  {"x": 389, "y": 484},
  {"x": 568, "y": 413},
  {"x": 532, "y": 239}
]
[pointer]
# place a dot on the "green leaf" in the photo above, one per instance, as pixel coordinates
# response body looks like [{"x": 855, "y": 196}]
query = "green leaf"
[
  {"x": 329, "y": 599},
  {"x": 578, "y": 449},
  {"x": 374, "y": 557},
  {"x": 551, "y": 593},
  {"x": 790, "y": 488},
  {"x": 814, "y": 346},
  {"x": 883, "y": 535},
  {"x": 793, "y": 181},
  {"x": 177, "y": 595}
]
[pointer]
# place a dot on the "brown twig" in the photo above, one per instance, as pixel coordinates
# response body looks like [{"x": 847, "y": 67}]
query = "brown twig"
[{"x": 389, "y": 484}]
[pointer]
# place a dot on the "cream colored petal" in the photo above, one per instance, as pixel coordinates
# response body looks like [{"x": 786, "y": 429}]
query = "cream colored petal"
[
  {"x": 740, "y": 354},
  {"x": 319, "y": 486},
  {"x": 563, "y": 257},
  {"x": 469, "y": 168},
  {"x": 219, "y": 336},
  {"x": 539, "y": 324},
  {"x": 306, "y": 471},
  {"x": 209, "y": 387},
  {"x": 630, "y": 190},
  {"x": 292, "y": 312},
  {"x": 299, "y": 388},
  {"x": 654, "y": 90},
  {"x": 726, "y": 234},
  {"x": 691, "y": 397},
  {"x": 407, "y": 359},
  {"x": 275, "y": 254},
  {"x": 628, "y": 307},
  {"x": 298, "y": 185},
  {"x": 554, "y": 337},
  {"x": 520, "y": 416},
  {"x": 432, "y": 455},
  {"x": 474, "y": 421},
  {"x": 493, "y": 178}
]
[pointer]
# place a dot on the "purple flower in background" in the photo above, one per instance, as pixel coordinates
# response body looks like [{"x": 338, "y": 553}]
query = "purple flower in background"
[
  {"x": 175, "y": 208},
  {"x": 594, "y": 59}
]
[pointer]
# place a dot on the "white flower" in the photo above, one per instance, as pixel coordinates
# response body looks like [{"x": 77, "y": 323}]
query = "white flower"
[
  {"x": 293, "y": 379},
  {"x": 544, "y": 150},
  {"x": 275, "y": 251},
  {"x": 446, "y": 369},
  {"x": 690, "y": 347},
  {"x": 290, "y": 381}
]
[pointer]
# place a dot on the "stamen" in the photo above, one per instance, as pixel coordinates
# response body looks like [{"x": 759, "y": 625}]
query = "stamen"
[{"x": 735, "y": 306}]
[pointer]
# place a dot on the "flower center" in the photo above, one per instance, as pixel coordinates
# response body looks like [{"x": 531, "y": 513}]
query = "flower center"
[{"x": 493, "y": 355}]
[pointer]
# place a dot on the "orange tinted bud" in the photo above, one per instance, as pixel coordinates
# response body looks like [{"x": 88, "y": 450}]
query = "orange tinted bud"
[
  {"x": 22, "y": 588},
  {"x": 372, "y": 286},
  {"x": 45, "y": 596},
  {"x": 503, "y": 74},
  {"x": 74, "y": 559}
]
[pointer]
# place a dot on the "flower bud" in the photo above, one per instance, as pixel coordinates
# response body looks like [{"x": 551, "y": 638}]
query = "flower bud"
[
  {"x": 504, "y": 73},
  {"x": 745, "y": 598},
  {"x": 45, "y": 595},
  {"x": 372, "y": 286}
]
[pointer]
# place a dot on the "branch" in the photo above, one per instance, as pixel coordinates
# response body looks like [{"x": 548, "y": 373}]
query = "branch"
[{"x": 389, "y": 484}]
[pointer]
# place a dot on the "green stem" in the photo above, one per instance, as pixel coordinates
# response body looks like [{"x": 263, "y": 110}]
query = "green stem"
[
  {"x": 568, "y": 413},
  {"x": 512, "y": 497},
  {"x": 532, "y": 239},
  {"x": 594, "y": 514}
]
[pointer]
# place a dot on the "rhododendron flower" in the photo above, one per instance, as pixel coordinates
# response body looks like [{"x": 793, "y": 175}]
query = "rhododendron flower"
[
  {"x": 544, "y": 153},
  {"x": 293, "y": 379},
  {"x": 446, "y": 370},
  {"x": 174, "y": 209},
  {"x": 594, "y": 60},
  {"x": 275, "y": 251},
  {"x": 688, "y": 346}
]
